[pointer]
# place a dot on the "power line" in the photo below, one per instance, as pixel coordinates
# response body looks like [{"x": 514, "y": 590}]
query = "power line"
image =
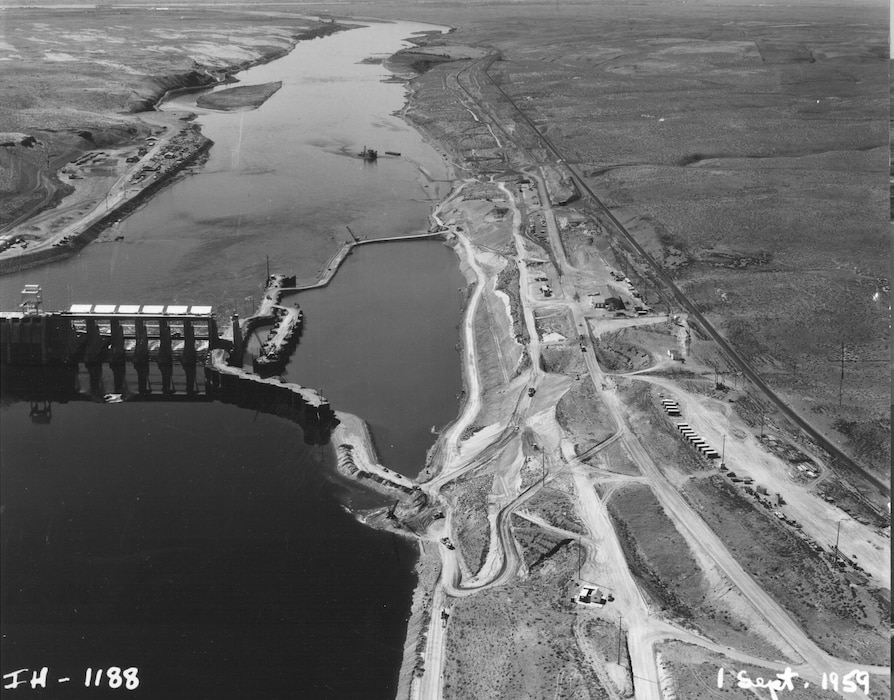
[{"x": 689, "y": 306}]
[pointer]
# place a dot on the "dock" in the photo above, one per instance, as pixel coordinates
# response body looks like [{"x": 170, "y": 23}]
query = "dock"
[{"x": 286, "y": 320}]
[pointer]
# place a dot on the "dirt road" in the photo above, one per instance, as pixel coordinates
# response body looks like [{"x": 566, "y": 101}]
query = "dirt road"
[{"x": 605, "y": 561}]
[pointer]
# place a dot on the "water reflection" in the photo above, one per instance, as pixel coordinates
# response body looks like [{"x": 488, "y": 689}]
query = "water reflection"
[{"x": 41, "y": 387}]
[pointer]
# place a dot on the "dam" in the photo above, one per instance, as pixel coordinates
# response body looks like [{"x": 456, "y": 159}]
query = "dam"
[
  {"x": 96, "y": 333},
  {"x": 166, "y": 345},
  {"x": 262, "y": 519}
]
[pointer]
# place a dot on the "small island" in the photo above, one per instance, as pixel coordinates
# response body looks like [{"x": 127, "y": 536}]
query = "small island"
[{"x": 242, "y": 97}]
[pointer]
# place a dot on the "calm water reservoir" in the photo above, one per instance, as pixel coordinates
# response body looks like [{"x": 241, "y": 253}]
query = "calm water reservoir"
[{"x": 205, "y": 544}]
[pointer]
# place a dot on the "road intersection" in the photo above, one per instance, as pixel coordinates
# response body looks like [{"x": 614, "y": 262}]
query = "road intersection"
[{"x": 605, "y": 560}]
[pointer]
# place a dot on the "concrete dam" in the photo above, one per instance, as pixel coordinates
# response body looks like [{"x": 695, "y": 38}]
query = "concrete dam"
[{"x": 176, "y": 352}]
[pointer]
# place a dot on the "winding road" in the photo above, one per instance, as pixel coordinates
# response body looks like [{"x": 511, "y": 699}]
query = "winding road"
[
  {"x": 605, "y": 561},
  {"x": 684, "y": 301}
]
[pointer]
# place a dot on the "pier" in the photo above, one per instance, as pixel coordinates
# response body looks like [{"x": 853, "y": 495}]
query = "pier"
[
  {"x": 286, "y": 327},
  {"x": 336, "y": 260}
]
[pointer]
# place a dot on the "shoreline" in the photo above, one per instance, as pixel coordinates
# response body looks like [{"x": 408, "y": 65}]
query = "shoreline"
[
  {"x": 228, "y": 75},
  {"x": 351, "y": 430},
  {"x": 45, "y": 253},
  {"x": 93, "y": 225},
  {"x": 428, "y": 566}
]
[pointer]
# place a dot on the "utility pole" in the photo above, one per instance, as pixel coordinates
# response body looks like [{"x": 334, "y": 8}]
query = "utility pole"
[
  {"x": 619, "y": 639},
  {"x": 723, "y": 452},
  {"x": 321, "y": 442},
  {"x": 841, "y": 379},
  {"x": 837, "y": 533},
  {"x": 579, "y": 576},
  {"x": 543, "y": 466}
]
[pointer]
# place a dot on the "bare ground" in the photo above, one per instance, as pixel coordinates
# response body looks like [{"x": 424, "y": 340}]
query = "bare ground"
[
  {"x": 517, "y": 640},
  {"x": 470, "y": 518},
  {"x": 846, "y": 620},
  {"x": 556, "y": 508},
  {"x": 694, "y": 673},
  {"x": 663, "y": 564},
  {"x": 748, "y": 154},
  {"x": 582, "y": 415},
  {"x": 240, "y": 97}
]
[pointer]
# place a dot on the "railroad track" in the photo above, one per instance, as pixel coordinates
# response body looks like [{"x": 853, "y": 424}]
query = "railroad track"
[{"x": 735, "y": 357}]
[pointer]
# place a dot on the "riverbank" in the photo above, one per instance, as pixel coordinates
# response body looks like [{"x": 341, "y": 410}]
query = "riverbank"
[
  {"x": 124, "y": 168},
  {"x": 186, "y": 147},
  {"x": 193, "y": 242},
  {"x": 357, "y": 458}
]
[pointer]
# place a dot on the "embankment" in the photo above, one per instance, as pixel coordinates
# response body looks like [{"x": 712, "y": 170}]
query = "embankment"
[
  {"x": 77, "y": 241},
  {"x": 158, "y": 88},
  {"x": 165, "y": 86},
  {"x": 357, "y": 457},
  {"x": 328, "y": 272},
  {"x": 241, "y": 97}
]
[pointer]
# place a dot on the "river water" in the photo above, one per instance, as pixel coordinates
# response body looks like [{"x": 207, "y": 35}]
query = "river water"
[{"x": 205, "y": 544}]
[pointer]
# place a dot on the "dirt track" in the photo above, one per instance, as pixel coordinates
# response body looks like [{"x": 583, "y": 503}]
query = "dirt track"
[{"x": 605, "y": 562}]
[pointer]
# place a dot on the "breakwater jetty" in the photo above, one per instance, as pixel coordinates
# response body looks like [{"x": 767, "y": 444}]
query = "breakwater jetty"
[
  {"x": 328, "y": 272},
  {"x": 281, "y": 338},
  {"x": 357, "y": 457}
]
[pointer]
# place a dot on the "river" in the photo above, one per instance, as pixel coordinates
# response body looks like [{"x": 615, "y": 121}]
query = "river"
[{"x": 208, "y": 545}]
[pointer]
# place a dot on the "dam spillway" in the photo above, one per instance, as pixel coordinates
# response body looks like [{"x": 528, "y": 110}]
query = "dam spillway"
[
  {"x": 33, "y": 341},
  {"x": 108, "y": 333}
]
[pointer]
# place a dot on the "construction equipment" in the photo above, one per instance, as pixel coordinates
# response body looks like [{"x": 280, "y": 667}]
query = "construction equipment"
[{"x": 390, "y": 515}]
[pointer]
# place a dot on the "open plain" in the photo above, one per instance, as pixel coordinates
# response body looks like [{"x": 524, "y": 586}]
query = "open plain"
[{"x": 631, "y": 184}]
